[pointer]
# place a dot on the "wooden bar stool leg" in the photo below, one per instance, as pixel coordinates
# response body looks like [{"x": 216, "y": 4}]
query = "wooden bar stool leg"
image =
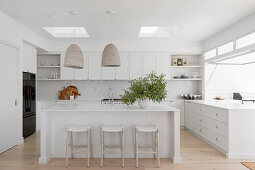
[
  {"x": 102, "y": 148},
  {"x": 71, "y": 143},
  {"x": 88, "y": 138},
  {"x": 136, "y": 148},
  {"x": 91, "y": 153},
  {"x": 122, "y": 147},
  {"x": 157, "y": 146},
  {"x": 67, "y": 147}
]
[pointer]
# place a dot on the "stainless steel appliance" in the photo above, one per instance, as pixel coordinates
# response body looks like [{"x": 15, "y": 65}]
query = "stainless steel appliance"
[{"x": 29, "y": 104}]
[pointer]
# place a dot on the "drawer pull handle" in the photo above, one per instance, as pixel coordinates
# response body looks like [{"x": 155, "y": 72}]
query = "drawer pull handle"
[
  {"x": 200, "y": 120},
  {"x": 217, "y": 114},
  {"x": 217, "y": 139},
  {"x": 200, "y": 130},
  {"x": 216, "y": 127},
  {"x": 200, "y": 110}
]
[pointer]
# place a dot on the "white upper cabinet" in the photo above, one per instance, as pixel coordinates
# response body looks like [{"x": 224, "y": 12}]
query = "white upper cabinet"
[
  {"x": 123, "y": 72},
  {"x": 149, "y": 63},
  {"x": 83, "y": 74},
  {"x": 163, "y": 64},
  {"x": 29, "y": 58},
  {"x": 66, "y": 73},
  {"x": 136, "y": 65},
  {"x": 95, "y": 69},
  {"x": 108, "y": 73}
]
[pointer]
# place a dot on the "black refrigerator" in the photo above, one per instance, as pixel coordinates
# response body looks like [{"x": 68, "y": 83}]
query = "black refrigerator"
[{"x": 29, "y": 104}]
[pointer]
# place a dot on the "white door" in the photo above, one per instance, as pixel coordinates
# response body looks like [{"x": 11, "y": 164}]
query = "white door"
[
  {"x": 136, "y": 65},
  {"x": 122, "y": 72},
  {"x": 66, "y": 73},
  {"x": 8, "y": 86},
  {"x": 83, "y": 74},
  {"x": 95, "y": 66}
]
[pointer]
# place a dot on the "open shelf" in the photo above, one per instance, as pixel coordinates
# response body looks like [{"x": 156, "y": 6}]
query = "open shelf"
[
  {"x": 185, "y": 79},
  {"x": 191, "y": 66},
  {"x": 48, "y": 66}
]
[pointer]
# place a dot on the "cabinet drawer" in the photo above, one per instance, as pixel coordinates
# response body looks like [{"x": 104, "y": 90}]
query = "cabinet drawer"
[
  {"x": 202, "y": 120},
  {"x": 218, "y": 127},
  {"x": 202, "y": 131},
  {"x": 218, "y": 140},
  {"x": 218, "y": 114}
]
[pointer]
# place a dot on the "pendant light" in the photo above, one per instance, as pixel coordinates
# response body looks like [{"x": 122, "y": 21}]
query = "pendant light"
[
  {"x": 74, "y": 57},
  {"x": 111, "y": 56}
]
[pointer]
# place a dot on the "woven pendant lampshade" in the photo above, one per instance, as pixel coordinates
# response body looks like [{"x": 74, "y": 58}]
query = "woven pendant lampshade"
[
  {"x": 111, "y": 56},
  {"x": 74, "y": 57}
]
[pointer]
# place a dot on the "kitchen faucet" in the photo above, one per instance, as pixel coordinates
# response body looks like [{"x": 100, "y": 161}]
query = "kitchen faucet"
[{"x": 110, "y": 95}]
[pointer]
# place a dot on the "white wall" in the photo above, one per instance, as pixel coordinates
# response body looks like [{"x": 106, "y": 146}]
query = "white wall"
[
  {"x": 14, "y": 33},
  {"x": 29, "y": 58},
  {"x": 242, "y": 27}
]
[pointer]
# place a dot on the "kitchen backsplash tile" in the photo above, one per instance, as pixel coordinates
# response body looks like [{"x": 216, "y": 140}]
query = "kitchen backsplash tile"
[{"x": 98, "y": 89}]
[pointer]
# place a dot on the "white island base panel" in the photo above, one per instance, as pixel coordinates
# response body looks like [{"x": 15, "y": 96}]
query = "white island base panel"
[{"x": 54, "y": 120}]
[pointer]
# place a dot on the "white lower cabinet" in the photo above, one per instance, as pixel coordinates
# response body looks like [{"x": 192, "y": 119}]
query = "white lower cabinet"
[{"x": 208, "y": 122}]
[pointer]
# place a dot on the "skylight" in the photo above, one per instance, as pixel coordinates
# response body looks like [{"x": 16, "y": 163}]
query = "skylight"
[
  {"x": 67, "y": 32},
  {"x": 158, "y": 31}
]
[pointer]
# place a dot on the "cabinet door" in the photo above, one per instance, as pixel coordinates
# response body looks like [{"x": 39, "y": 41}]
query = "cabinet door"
[
  {"x": 163, "y": 64},
  {"x": 149, "y": 63},
  {"x": 95, "y": 66},
  {"x": 122, "y": 72},
  {"x": 66, "y": 73},
  {"x": 29, "y": 58},
  {"x": 179, "y": 105},
  {"x": 108, "y": 73},
  {"x": 83, "y": 74},
  {"x": 136, "y": 65}
]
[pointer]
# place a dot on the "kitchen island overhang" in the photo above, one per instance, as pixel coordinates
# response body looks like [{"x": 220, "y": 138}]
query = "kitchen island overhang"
[{"x": 55, "y": 117}]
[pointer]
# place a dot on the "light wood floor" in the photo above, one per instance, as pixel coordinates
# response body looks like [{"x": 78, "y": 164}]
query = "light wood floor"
[{"x": 196, "y": 155}]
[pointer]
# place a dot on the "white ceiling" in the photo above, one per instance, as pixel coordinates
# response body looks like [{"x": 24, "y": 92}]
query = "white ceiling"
[{"x": 197, "y": 19}]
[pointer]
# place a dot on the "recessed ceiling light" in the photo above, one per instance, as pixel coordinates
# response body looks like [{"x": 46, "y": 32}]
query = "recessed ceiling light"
[
  {"x": 74, "y": 12},
  {"x": 110, "y": 12},
  {"x": 68, "y": 32},
  {"x": 158, "y": 31}
]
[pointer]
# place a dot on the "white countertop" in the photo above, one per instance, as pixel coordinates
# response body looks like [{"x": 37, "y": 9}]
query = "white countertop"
[
  {"x": 95, "y": 106},
  {"x": 226, "y": 104}
]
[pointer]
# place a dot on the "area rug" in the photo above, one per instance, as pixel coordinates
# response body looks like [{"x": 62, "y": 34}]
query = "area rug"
[{"x": 250, "y": 165}]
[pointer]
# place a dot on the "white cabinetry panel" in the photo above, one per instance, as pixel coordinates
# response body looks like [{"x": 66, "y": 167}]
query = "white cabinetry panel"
[
  {"x": 179, "y": 104},
  {"x": 123, "y": 72},
  {"x": 83, "y": 74},
  {"x": 29, "y": 58},
  {"x": 136, "y": 65},
  {"x": 95, "y": 66},
  {"x": 108, "y": 73},
  {"x": 163, "y": 64},
  {"x": 66, "y": 73},
  {"x": 149, "y": 63}
]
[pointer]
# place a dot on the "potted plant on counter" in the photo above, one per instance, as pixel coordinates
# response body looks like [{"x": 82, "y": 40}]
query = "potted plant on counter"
[{"x": 146, "y": 90}]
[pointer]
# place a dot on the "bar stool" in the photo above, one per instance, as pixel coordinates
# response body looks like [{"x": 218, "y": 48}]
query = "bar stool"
[
  {"x": 147, "y": 129},
  {"x": 69, "y": 142},
  {"x": 111, "y": 129}
]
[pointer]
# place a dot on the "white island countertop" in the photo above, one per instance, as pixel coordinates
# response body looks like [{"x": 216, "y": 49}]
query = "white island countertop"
[
  {"x": 226, "y": 104},
  {"x": 95, "y": 106}
]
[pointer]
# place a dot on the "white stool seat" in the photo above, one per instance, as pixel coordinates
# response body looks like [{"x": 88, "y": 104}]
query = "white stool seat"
[
  {"x": 112, "y": 128},
  {"x": 72, "y": 128},
  {"x": 146, "y": 128}
]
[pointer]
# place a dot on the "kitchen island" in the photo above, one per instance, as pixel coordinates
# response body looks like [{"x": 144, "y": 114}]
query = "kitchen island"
[{"x": 55, "y": 116}]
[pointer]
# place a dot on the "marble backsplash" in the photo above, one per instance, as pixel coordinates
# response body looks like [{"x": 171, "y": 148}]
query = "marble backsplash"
[{"x": 98, "y": 89}]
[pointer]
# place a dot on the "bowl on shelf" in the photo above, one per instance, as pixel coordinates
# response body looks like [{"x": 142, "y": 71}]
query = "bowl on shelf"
[{"x": 192, "y": 96}]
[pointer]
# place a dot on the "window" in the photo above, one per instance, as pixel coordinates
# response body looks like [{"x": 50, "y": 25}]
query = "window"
[
  {"x": 245, "y": 40},
  {"x": 226, "y": 48},
  {"x": 158, "y": 31},
  {"x": 67, "y": 31},
  {"x": 210, "y": 54}
]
